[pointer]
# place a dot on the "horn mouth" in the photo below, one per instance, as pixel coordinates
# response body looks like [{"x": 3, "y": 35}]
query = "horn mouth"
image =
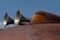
[
  {"x": 17, "y": 18},
  {"x": 5, "y": 19}
]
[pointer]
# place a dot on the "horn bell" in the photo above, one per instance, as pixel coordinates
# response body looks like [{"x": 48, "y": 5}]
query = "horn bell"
[
  {"x": 7, "y": 20},
  {"x": 19, "y": 18}
]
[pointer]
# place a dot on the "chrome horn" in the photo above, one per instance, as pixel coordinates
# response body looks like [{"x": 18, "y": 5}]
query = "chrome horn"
[
  {"x": 7, "y": 20},
  {"x": 19, "y": 19}
]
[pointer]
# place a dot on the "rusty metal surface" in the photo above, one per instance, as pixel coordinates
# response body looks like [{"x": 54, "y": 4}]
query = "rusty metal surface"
[{"x": 32, "y": 32}]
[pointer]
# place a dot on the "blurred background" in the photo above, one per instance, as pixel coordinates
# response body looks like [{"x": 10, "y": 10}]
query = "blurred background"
[{"x": 27, "y": 8}]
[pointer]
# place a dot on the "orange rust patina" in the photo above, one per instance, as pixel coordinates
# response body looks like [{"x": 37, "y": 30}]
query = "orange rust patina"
[{"x": 38, "y": 18}]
